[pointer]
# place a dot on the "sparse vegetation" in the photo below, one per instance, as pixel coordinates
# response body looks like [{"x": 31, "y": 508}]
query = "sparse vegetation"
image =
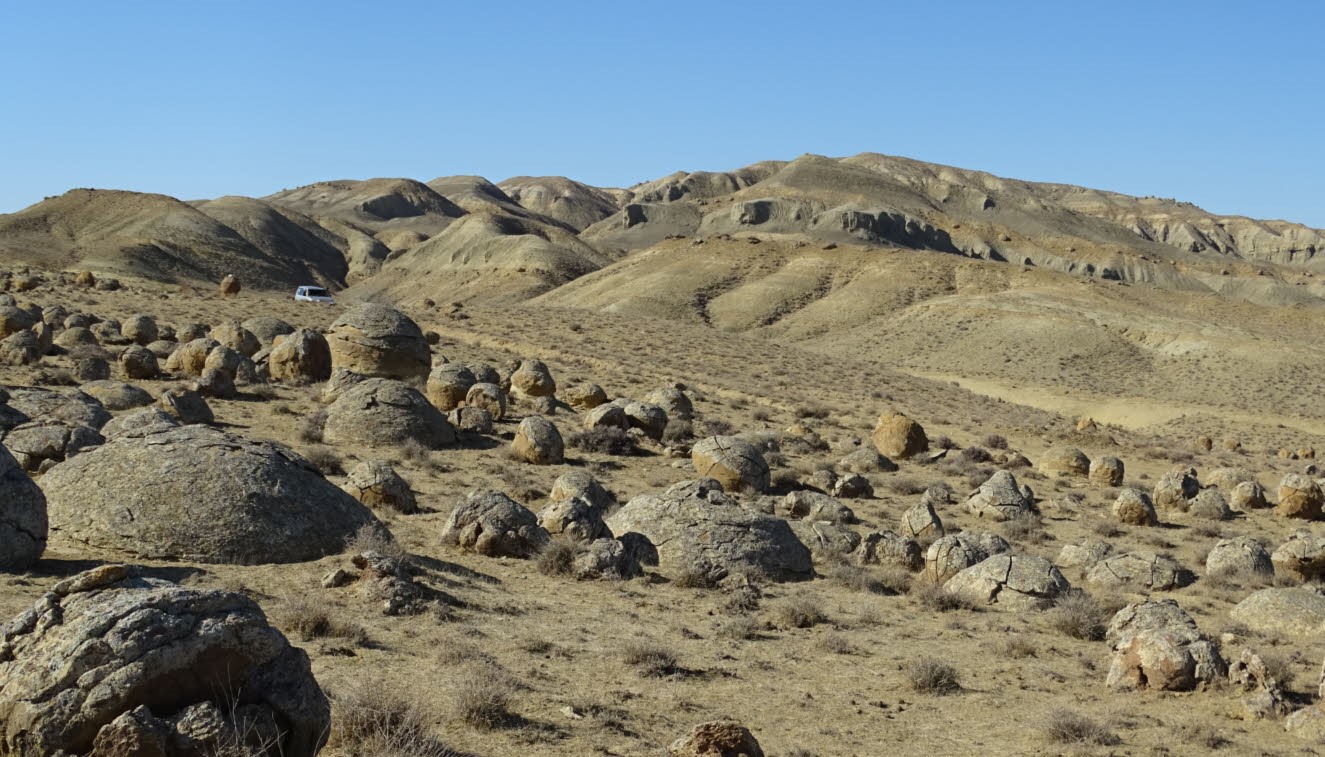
[
  {"x": 799, "y": 611},
  {"x": 372, "y": 718},
  {"x": 649, "y": 658},
  {"x": 1064, "y": 726},
  {"x": 930, "y": 676},
  {"x": 604, "y": 440}
]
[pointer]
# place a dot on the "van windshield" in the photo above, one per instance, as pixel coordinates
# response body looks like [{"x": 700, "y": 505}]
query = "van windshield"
[{"x": 315, "y": 292}]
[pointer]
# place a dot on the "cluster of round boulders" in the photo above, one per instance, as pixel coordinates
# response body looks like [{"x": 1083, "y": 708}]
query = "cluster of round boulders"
[
  {"x": 376, "y": 484},
  {"x": 377, "y": 340},
  {"x": 110, "y": 663},
  {"x": 1133, "y": 507},
  {"x": 899, "y": 437},
  {"x": 381, "y": 412},
  {"x": 574, "y": 518},
  {"x": 1157, "y": 646},
  {"x": 1299, "y": 497},
  {"x": 702, "y": 532},
  {"x": 492, "y": 524},
  {"x": 1000, "y": 498},
  {"x": 1010, "y": 582},
  {"x": 23, "y": 519},
  {"x": 198, "y": 493},
  {"x": 190, "y": 358},
  {"x": 1064, "y": 461},
  {"x": 299, "y": 358},
  {"x": 733, "y": 462}
]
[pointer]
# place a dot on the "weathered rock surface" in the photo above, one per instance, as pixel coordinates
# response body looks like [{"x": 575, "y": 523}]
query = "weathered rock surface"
[
  {"x": 1000, "y": 498},
  {"x": 733, "y": 462},
  {"x": 198, "y": 493},
  {"x": 378, "y": 340},
  {"x": 950, "y": 555},
  {"x": 377, "y": 484},
  {"x": 897, "y": 436},
  {"x": 1157, "y": 646},
  {"x": 302, "y": 357},
  {"x": 700, "y": 530},
  {"x": 381, "y": 412},
  {"x": 1012, "y": 582},
  {"x": 491, "y": 523},
  {"x": 23, "y": 519},
  {"x": 1297, "y": 611},
  {"x": 1138, "y": 571},
  {"x": 112, "y": 664},
  {"x": 538, "y": 441}
]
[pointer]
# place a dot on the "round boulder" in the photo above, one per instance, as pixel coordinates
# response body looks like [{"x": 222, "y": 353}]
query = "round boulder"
[
  {"x": 488, "y": 396},
  {"x": 376, "y": 484},
  {"x": 198, "y": 493},
  {"x": 301, "y": 357},
  {"x": 733, "y": 462},
  {"x": 585, "y": 396},
  {"x": 491, "y": 523},
  {"x": 377, "y": 340},
  {"x": 1012, "y": 582},
  {"x": 155, "y": 660},
  {"x": 899, "y": 437},
  {"x": 380, "y": 412},
  {"x": 1064, "y": 461},
  {"x": 533, "y": 379},
  {"x": 538, "y": 441},
  {"x": 140, "y": 329},
  {"x": 1106, "y": 471},
  {"x": 1239, "y": 556},
  {"x": 1000, "y": 498},
  {"x": 139, "y": 363},
  {"x": 448, "y": 383},
  {"x": 1299, "y": 497}
]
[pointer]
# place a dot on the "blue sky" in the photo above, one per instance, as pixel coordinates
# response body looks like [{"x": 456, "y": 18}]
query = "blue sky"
[{"x": 1218, "y": 103}]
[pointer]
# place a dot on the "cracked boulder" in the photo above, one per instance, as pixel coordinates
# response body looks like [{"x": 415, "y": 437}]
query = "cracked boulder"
[
  {"x": 22, "y": 516},
  {"x": 491, "y": 523},
  {"x": 701, "y": 531},
  {"x": 1012, "y": 582},
  {"x": 1000, "y": 498},
  {"x": 69, "y": 405},
  {"x": 732, "y": 461},
  {"x": 1137, "y": 571},
  {"x": 40, "y": 444},
  {"x": 950, "y": 555},
  {"x": 376, "y": 484},
  {"x": 113, "y": 664},
  {"x": 381, "y": 412},
  {"x": 1157, "y": 646},
  {"x": 199, "y": 493}
]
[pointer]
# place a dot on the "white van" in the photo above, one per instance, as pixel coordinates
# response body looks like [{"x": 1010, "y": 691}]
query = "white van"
[{"x": 313, "y": 294}]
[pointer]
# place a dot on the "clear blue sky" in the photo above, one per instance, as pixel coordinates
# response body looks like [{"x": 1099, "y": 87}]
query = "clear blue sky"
[{"x": 1218, "y": 103}]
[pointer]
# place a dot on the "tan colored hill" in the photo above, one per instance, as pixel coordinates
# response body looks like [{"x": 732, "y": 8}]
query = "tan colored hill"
[
  {"x": 575, "y": 204},
  {"x": 158, "y": 237},
  {"x": 477, "y": 194},
  {"x": 382, "y": 205},
  {"x": 489, "y": 257}
]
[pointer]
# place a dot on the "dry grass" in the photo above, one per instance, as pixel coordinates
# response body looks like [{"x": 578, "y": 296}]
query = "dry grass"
[
  {"x": 373, "y": 538},
  {"x": 605, "y": 440},
  {"x": 1078, "y": 615},
  {"x": 326, "y": 461},
  {"x": 930, "y": 676},
  {"x": 310, "y": 431},
  {"x": 482, "y": 698},
  {"x": 649, "y": 658},
  {"x": 312, "y": 616},
  {"x": 799, "y": 611},
  {"x": 558, "y": 557},
  {"x": 937, "y": 598},
  {"x": 1064, "y": 726},
  {"x": 371, "y": 718}
]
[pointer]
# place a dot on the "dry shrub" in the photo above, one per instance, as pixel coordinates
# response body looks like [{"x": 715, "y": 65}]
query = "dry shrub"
[
  {"x": 1064, "y": 726},
  {"x": 521, "y": 485},
  {"x": 372, "y": 718},
  {"x": 558, "y": 557},
  {"x": 326, "y": 461},
  {"x": 739, "y": 628},
  {"x": 311, "y": 616},
  {"x": 995, "y": 441},
  {"x": 1025, "y": 527},
  {"x": 311, "y": 430},
  {"x": 482, "y": 698},
  {"x": 887, "y": 579},
  {"x": 800, "y": 611},
  {"x": 836, "y": 644},
  {"x": 937, "y": 598},
  {"x": 1201, "y": 735},
  {"x": 605, "y": 440},
  {"x": 905, "y": 486},
  {"x": 1229, "y": 577},
  {"x": 677, "y": 431},
  {"x": 649, "y": 658},
  {"x": 1078, "y": 615},
  {"x": 930, "y": 676},
  {"x": 376, "y": 538},
  {"x": 717, "y": 427}
]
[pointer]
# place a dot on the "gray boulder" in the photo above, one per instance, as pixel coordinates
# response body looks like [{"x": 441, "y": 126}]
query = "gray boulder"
[
  {"x": 376, "y": 484},
  {"x": 950, "y": 555},
  {"x": 378, "y": 340},
  {"x": 1000, "y": 498},
  {"x": 1140, "y": 571},
  {"x": 111, "y": 664},
  {"x": 380, "y": 412},
  {"x": 1157, "y": 647},
  {"x": 202, "y": 494},
  {"x": 491, "y": 523},
  {"x": 23, "y": 520},
  {"x": 1298, "y": 611},
  {"x": 701, "y": 531},
  {"x": 1012, "y": 582}
]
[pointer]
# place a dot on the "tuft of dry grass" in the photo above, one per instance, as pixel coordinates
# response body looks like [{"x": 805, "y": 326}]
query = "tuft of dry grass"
[
  {"x": 605, "y": 440},
  {"x": 937, "y": 598},
  {"x": 930, "y": 676},
  {"x": 310, "y": 431},
  {"x": 649, "y": 658},
  {"x": 312, "y": 616},
  {"x": 558, "y": 557},
  {"x": 799, "y": 611},
  {"x": 326, "y": 461},
  {"x": 1065, "y": 726},
  {"x": 482, "y": 698},
  {"x": 375, "y": 538},
  {"x": 1078, "y": 615},
  {"x": 372, "y": 718},
  {"x": 738, "y": 628}
]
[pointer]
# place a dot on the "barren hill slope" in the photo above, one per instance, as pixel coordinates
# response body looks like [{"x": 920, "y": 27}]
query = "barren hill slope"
[
  {"x": 158, "y": 237},
  {"x": 388, "y": 207}
]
